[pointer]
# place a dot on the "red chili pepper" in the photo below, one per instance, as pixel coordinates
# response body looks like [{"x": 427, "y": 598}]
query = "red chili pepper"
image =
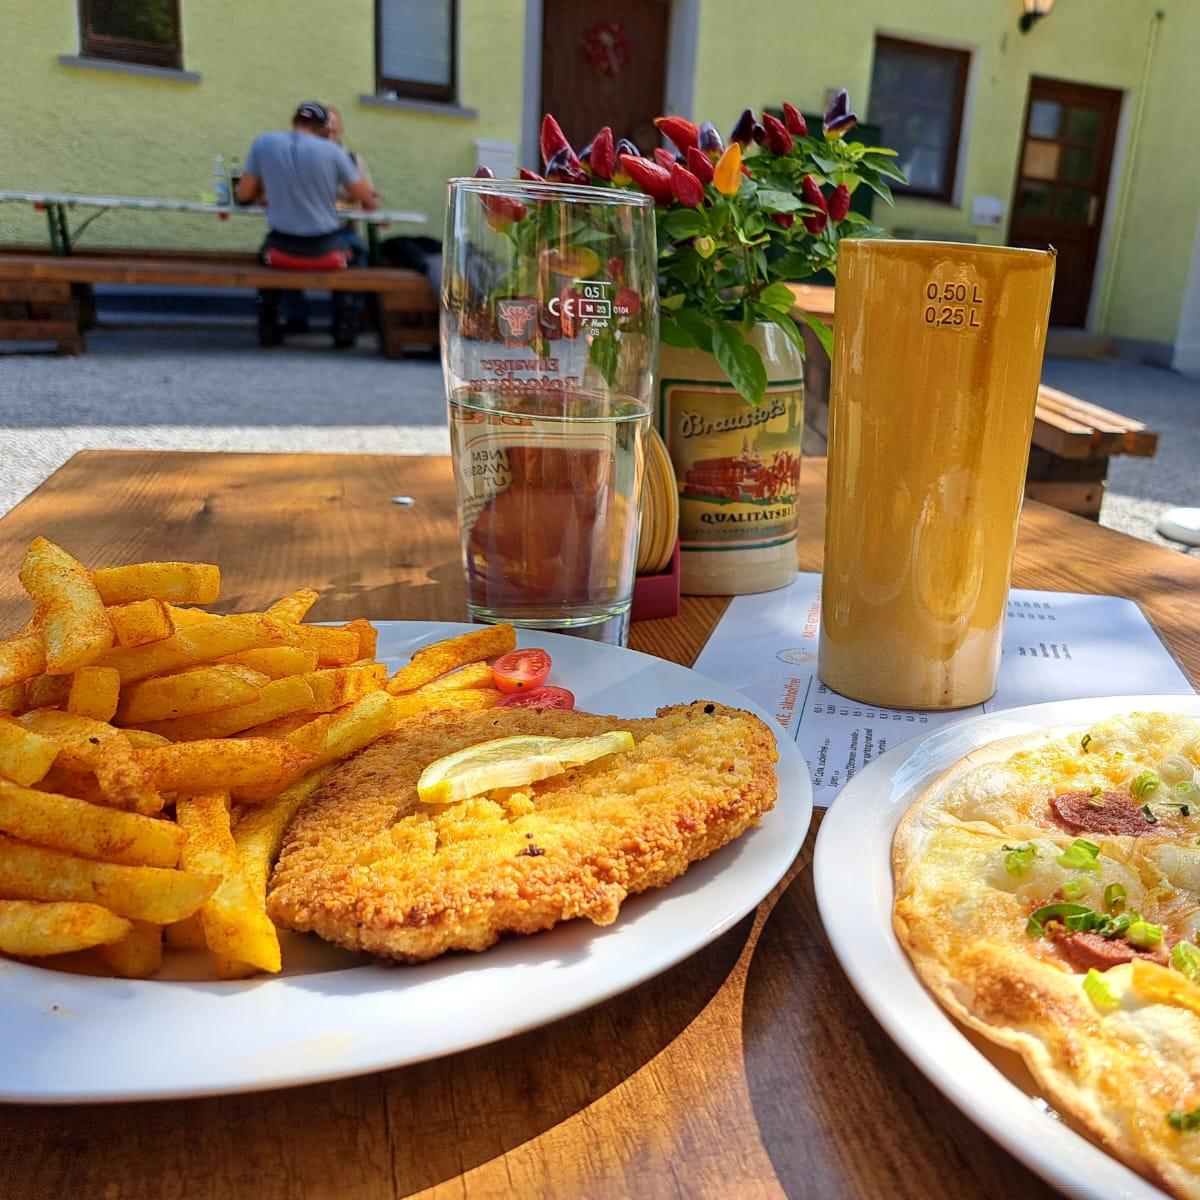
[
  {"x": 793, "y": 118},
  {"x": 564, "y": 167},
  {"x": 743, "y": 131},
  {"x": 779, "y": 141},
  {"x": 699, "y": 164},
  {"x": 604, "y": 155},
  {"x": 615, "y": 267},
  {"x": 649, "y": 177},
  {"x": 664, "y": 158},
  {"x": 810, "y": 191},
  {"x": 500, "y": 211},
  {"x": 784, "y": 220},
  {"x": 839, "y": 203},
  {"x": 552, "y": 138},
  {"x": 688, "y": 190},
  {"x": 627, "y": 303},
  {"x": 531, "y": 176},
  {"x": 680, "y": 130}
]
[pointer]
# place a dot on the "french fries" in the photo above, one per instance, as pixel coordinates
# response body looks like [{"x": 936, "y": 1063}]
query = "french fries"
[
  {"x": 196, "y": 690},
  {"x": 69, "y": 614},
  {"x": 25, "y": 756},
  {"x": 21, "y": 657},
  {"x": 140, "y": 622},
  {"x": 94, "y": 692},
  {"x": 280, "y": 698},
  {"x": 29, "y": 929},
  {"x": 89, "y": 830},
  {"x": 181, "y": 583},
  {"x": 129, "y": 717},
  {"x": 214, "y": 764},
  {"x": 234, "y": 918},
  {"x": 431, "y": 661},
  {"x": 143, "y": 893}
]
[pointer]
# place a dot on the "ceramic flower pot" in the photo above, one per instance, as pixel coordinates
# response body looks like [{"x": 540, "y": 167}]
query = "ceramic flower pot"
[{"x": 737, "y": 466}]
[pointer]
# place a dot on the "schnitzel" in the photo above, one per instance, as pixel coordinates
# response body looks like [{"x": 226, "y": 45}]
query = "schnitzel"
[{"x": 366, "y": 865}]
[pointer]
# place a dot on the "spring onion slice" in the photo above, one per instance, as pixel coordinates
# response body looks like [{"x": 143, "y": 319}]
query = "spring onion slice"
[
  {"x": 1185, "y": 957},
  {"x": 1080, "y": 855},
  {"x": 1036, "y": 925},
  {"x": 1114, "y": 897},
  {"x": 1086, "y": 742},
  {"x": 1144, "y": 935},
  {"x": 1185, "y": 1122},
  {"x": 1144, "y": 784},
  {"x": 1018, "y": 858},
  {"x": 1099, "y": 992}
]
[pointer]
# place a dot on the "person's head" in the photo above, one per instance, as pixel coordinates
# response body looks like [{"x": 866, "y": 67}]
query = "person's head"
[
  {"x": 313, "y": 118},
  {"x": 336, "y": 129}
]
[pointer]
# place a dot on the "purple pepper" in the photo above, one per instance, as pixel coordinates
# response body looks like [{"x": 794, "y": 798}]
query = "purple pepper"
[
  {"x": 743, "y": 131},
  {"x": 711, "y": 142},
  {"x": 839, "y": 120}
]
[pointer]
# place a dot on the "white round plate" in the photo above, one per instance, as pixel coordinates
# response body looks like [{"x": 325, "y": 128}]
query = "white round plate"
[
  {"x": 71, "y": 1039},
  {"x": 852, "y": 870}
]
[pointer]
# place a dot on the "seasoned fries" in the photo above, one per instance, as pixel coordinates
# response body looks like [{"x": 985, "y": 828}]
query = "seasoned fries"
[
  {"x": 234, "y": 918},
  {"x": 181, "y": 583},
  {"x": 94, "y": 692},
  {"x": 141, "y": 622},
  {"x": 427, "y": 664},
  {"x": 128, "y": 718},
  {"x": 25, "y": 756},
  {"x": 145, "y": 893},
  {"x": 197, "y": 690},
  {"x": 68, "y": 612},
  {"x": 29, "y": 929}
]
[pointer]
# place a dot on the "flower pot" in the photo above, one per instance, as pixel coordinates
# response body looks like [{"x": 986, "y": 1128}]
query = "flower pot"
[{"x": 737, "y": 466}]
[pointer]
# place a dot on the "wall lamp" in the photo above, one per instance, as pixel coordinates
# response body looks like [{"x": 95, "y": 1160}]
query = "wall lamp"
[{"x": 1035, "y": 10}]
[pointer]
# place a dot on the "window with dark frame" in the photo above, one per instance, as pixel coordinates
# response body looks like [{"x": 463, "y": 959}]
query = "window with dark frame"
[
  {"x": 416, "y": 48},
  {"x": 917, "y": 96},
  {"x": 145, "y": 32}
]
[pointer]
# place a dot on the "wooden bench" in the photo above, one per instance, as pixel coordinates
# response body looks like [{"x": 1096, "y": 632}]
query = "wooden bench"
[
  {"x": 45, "y": 298},
  {"x": 1072, "y": 440}
]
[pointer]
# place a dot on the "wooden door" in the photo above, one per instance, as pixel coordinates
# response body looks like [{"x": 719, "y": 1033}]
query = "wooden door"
[
  {"x": 1062, "y": 185},
  {"x": 605, "y": 64}
]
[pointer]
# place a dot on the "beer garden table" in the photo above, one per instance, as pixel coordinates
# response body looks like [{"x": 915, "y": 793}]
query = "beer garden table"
[
  {"x": 57, "y": 205},
  {"x": 751, "y": 1069}
]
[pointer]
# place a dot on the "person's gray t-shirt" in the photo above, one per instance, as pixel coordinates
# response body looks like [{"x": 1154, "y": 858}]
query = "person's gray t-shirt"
[{"x": 301, "y": 174}]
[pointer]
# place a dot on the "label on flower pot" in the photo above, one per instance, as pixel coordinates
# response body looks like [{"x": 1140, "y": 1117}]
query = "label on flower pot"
[{"x": 737, "y": 464}]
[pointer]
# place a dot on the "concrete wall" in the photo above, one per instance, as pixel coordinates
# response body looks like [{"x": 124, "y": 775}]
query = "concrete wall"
[
  {"x": 801, "y": 50},
  {"x": 85, "y": 130}
]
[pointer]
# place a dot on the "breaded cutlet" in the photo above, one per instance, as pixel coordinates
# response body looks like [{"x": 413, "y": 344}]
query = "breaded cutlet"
[{"x": 366, "y": 865}]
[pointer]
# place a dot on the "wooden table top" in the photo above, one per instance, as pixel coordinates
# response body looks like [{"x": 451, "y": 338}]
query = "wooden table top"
[{"x": 750, "y": 1069}]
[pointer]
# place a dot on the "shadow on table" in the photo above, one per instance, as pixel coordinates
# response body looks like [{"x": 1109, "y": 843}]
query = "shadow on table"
[
  {"x": 389, "y": 1134},
  {"x": 827, "y": 1091}
]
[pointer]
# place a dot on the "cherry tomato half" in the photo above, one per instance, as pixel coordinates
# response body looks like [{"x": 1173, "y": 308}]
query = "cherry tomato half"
[
  {"x": 542, "y": 697},
  {"x": 521, "y": 670}
]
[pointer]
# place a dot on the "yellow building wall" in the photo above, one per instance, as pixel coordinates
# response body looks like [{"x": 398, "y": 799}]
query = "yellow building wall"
[
  {"x": 799, "y": 51},
  {"x": 93, "y": 131}
]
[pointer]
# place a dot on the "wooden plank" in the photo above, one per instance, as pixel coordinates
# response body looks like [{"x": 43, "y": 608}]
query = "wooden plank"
[
  {"x": 31, "y": 290},
  {"x": 732, "y": 1074},
  {"x": 1070, "y": 439},
  {"x": 1081, "y": 497},
  {"x": 1086, "y": 414},
  {"x": 205, "y": 274},
  {"x": 38, "y": 331}
]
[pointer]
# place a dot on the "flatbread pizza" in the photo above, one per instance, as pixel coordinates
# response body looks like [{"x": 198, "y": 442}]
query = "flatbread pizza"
[{"x": 1048, "y": 894}]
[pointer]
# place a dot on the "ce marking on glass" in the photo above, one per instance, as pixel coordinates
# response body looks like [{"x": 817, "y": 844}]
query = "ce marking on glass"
[{"x": 587, "y": 303}]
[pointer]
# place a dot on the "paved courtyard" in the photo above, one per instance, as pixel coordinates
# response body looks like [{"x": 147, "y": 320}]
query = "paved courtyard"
[{"x": 213, "y": 388}]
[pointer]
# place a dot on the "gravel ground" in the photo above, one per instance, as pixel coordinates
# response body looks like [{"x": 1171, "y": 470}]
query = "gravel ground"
[{"x": 213, "y": 388}]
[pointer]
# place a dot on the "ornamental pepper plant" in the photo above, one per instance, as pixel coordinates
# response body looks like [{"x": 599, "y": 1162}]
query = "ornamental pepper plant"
[{"x": 735, "y": 220}]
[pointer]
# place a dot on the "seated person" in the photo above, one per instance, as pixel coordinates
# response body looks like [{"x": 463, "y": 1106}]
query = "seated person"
[
  {"x": 299, "y": 174},
  {"x": 354, "y": 244}
]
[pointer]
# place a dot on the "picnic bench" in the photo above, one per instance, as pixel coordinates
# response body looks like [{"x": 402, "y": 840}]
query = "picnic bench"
[
  {"x": 47, "y": 297},
  {"x": 1073, "y": 440}
]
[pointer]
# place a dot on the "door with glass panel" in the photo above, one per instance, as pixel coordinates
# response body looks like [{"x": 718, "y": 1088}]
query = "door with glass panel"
[{"x": 1062, "y": 185}]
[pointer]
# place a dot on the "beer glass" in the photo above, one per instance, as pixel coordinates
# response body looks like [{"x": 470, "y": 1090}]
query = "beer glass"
[
  {"x": 549, "y": 342},
  {"x": 937, "y": 358}
]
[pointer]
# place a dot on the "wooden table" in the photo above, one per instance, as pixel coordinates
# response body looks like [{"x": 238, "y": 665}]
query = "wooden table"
[{"x": 749, "y": 1070}]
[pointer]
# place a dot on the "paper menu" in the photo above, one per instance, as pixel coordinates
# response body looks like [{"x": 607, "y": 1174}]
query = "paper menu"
[{"x": 1057, "y": 646}]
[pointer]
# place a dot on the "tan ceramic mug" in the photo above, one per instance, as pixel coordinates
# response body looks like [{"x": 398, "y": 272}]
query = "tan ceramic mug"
[{"x": 937, "y": 360}]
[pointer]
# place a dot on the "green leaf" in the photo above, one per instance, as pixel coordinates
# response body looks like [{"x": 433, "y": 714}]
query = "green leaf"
[
  {"x": 697, "y": 326},
  {"x": 778, "y": 201},
  {"x": 674, "y": 334},
  {"x": 740, "y": 362},
  {"x": 685, "y": 223},
  {"x": 880, "y": 188},
  {"x": 823, "y": 332},
  {"x": 785, "y": 323},
  {"x": 779, "y": 296},
  {"x": 603, "y": 352}
]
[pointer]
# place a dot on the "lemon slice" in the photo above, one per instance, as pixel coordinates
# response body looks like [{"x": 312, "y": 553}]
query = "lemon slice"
[{"x": 512, "y": 762}]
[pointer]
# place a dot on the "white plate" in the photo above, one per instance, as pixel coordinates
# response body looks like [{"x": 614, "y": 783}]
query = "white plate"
[
  {"x": 853, "y": 878},
  {"x": 70, "y": 1038}
]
